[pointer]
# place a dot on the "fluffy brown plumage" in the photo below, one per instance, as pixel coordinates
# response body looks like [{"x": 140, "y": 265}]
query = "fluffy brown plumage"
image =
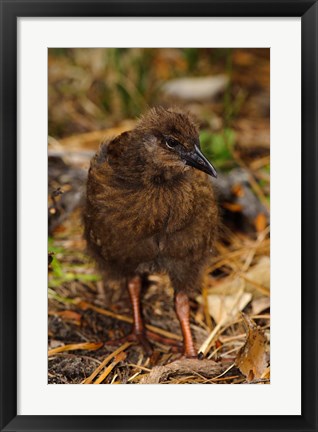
[{"x": 150, "y": 210}]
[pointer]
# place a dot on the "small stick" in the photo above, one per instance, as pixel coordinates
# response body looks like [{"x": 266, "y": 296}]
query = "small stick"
[
  {"x": 205, "y": 299},
  {"x": 139, "y": 367},
  {"x": 91, "y": 346},
  {"x": 105, "y": 361},
  {"x": 84, "y": 305},
  {"x": 223, "y": 373},
  {"x": 134, "y": 376},
  {"x": 205, "y": 347},
  {"x": 119, "y": 357}
]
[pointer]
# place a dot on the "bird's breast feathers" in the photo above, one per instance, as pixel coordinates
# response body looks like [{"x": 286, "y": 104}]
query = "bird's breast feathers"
[
  {"x": 151, "y": 221},
  {"x": 153, "y": 209}
]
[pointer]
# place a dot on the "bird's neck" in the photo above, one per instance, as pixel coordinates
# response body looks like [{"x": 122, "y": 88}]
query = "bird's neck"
[
  {"x": 147, "y": 173},
  {"x": 165, "y": 177}
]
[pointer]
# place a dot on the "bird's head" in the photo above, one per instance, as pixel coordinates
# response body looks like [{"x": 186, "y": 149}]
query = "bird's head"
[{"x": 171, "y": 140}]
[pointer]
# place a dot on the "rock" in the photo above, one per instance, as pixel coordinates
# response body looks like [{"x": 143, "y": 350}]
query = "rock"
[{"x": 198, "y": 88}]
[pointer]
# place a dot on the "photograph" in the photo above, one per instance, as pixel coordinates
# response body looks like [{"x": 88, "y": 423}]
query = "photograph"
[{"x": 159, "y": 215}]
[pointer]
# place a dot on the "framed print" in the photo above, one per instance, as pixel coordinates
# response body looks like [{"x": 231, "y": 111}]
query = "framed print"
[{"x": 166, "y": 234}]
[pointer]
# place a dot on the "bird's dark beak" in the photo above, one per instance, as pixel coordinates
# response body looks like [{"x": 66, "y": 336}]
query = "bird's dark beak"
[{"x": 197, "y": 160}]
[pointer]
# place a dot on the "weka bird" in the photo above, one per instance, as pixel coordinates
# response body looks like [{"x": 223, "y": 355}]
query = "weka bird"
[{"x": 150, "y": 208}]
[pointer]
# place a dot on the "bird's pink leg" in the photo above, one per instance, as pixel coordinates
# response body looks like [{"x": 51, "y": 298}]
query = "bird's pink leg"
[
  {"x": 134, "y": 289},
  {"x": 183, "y": 312},
  {"x": 138, "y": 331},
  {"x": 139, "y": 334}
]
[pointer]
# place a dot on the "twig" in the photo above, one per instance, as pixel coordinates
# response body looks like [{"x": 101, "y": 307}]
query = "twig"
[
  {"x": 207, "y": 315},
  {"x": 84, "y": 305},
  {"x": 80, "y": 346},
  {"x": 119, "y": 357},
  {"x": 205, "y": 347},
  {"x": 223, "y": 373},
  {"x": 90, "y": 379}
]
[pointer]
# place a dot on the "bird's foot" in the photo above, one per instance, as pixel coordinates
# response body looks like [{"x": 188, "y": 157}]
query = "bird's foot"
[
  {"x": 142, "y": 340},
  {"x": 175, "y": 345},
  {"x": 187, "y": 353},
  {"x": 192, "y": 354},
  {"x": 139, "y": 338}
]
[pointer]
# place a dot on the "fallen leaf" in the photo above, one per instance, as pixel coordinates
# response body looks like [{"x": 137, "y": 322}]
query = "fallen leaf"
[
  {"x": 251, "y": 359},
  {"x": 256, "y": 281},
  {"x": 224, "y": 314},
  {"x": 267, "y": 373},
  {"x": 260, "y": 304},
  {"x": 225, "y": 306}
]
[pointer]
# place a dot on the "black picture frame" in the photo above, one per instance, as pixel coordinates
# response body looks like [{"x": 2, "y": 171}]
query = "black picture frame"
[{"x": 10, "y": 11}]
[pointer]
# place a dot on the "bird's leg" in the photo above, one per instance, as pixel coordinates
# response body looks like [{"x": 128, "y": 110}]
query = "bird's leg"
[
  {"x": 183, "y": 313},
  {"x": 138, "y": 331},
  {"x": 134, "y": 288},
  {"x": 139, "y": 334}
]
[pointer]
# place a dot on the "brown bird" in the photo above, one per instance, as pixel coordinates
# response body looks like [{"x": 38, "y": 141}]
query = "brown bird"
[{"x": 151, "y": 208}]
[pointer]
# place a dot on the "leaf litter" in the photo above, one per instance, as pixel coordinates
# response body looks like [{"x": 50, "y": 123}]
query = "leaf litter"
[{"x": 251, "y": 358}]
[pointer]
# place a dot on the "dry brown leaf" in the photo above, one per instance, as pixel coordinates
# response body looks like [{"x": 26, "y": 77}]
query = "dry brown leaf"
[
  {"x": 233, "y": 307},
  {"x": 256, "y": 281},
  {"x": 226, "y": 306},
  {"x": 251, "y": 359},
  {"x": 267, "y": 373},
  {"x": 260, "y": 304}
]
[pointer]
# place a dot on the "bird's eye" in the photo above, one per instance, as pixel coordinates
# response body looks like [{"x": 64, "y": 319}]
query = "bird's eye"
[{"x": 171, "y": 142}]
